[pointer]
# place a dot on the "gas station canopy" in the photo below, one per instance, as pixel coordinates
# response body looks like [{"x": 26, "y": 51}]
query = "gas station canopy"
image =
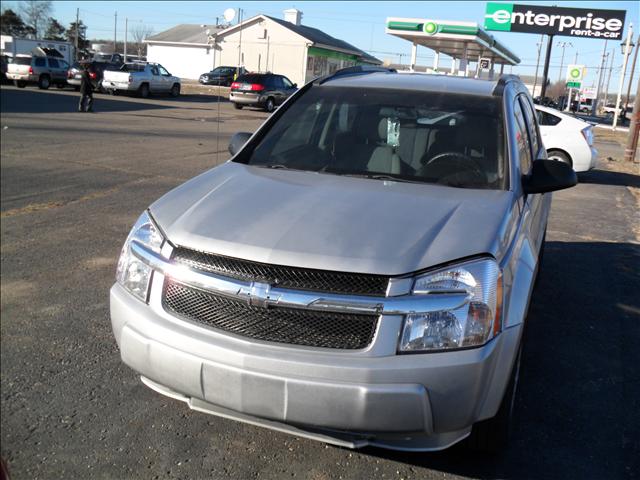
[{"x": 462, "y": 40}]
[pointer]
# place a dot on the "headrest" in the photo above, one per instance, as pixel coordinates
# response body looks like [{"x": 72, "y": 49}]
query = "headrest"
[{"x": 382, "y": 129}]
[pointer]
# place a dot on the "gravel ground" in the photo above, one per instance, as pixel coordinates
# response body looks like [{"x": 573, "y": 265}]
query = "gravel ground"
[{"x": 72, "y": 186}]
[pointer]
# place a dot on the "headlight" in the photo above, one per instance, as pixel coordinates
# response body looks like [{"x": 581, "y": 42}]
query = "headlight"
[
  {"x": 471, "y": 325},
  {"x": 132, "y": 274}
]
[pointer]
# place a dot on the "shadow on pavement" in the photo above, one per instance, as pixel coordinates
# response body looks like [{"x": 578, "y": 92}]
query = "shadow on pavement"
[
  {"x": 607, "y": 177},
  {"x": 577, "y": 412},
  {"x": 30, "y": 100}
]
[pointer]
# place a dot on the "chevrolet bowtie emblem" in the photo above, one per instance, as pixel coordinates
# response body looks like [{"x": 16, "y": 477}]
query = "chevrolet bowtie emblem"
[{"x": 258, "y": 294}]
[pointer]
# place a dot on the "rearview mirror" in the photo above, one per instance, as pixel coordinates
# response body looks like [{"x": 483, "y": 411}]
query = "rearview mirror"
[
  {"x": 238, "y": 141},
  {"x": 549, "y": 176}
]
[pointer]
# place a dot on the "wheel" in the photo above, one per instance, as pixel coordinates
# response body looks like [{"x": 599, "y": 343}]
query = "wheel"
[
  {"x": 144, "y": 90},
  {"x": 492, "y": 435},
  {"x": 237, "y": 106},
  {"x": 44, "y": 82},
  {"x": 559, "y": 156},
  {"x": 175, "y": 90},
  {"x": 20, "y": 83},
  {"x": 270, "y": 106},
  {"x": 113, "y": 92}
]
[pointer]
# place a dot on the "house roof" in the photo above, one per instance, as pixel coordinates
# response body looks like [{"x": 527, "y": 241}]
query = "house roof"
[
  {"x": 323, "y": 39},
  {"x": 184, "y": 33},
  {"x": 195, "y": 35}
]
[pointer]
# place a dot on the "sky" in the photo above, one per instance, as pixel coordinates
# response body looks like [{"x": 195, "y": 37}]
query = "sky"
[{"x": 362, "y": 24}]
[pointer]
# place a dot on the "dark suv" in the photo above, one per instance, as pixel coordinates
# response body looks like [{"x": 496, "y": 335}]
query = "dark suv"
[
  {"x": 223, "y": 76},
  {"x": 264, "y": 90}
]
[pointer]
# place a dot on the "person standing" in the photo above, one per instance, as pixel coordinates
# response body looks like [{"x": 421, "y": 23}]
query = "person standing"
[{"x": 86, "y": 91}]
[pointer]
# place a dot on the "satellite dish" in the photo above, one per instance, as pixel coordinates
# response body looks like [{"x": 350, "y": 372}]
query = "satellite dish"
[{"x": 229, "y": 14}]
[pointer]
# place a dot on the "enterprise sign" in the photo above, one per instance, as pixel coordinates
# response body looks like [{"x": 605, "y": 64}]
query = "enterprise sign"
[{"x": 571, "y": 22}]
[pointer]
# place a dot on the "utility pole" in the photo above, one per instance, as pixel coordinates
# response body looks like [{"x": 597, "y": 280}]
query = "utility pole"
[
  {"x": 606, "y": 91},
  {"x": 563, "y": 45},
  {"x": 126, "y": 28},
  {"x": 634, "y": 130},
  {"x": 545, "y": 73},
  {"x": 75, "y": 54},
  {"x": 594, "y": 105},
  {"x": 115, "y": 33},
  {"x": 627, "y": 48},
  {"x": 535, "y": 78},
  {"x": 633, "y": 69},
  {"x": 240, "y": 43}
]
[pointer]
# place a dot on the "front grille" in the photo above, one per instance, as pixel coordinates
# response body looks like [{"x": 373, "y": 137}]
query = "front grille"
[
  {"x": 274, "y": 324},
  {"x": 283, "y": 276}
]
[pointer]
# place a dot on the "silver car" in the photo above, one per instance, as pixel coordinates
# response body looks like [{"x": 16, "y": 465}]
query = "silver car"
[{"x": 358, "y": 273}]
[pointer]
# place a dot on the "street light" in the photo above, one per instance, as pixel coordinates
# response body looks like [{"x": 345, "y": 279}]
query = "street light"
[{"x": 623, "y": 47}]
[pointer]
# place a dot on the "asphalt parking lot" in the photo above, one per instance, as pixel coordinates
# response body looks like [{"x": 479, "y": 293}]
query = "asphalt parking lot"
[{"x": 74, "y": 183}]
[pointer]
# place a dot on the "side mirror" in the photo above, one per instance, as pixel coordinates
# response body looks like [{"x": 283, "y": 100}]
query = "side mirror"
[
  {"x": 237, "y": 142},
  {"x": 295, "y": 85},
  {"x": 549, "y": 176}
]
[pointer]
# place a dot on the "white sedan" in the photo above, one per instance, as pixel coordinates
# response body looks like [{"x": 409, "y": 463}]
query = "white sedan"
[{"x": 567, "y": 139}]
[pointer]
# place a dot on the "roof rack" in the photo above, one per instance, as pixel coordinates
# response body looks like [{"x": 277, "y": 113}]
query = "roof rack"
[
  {"x": 502, "y": 82},
  {"x": 356, "y": 70}
]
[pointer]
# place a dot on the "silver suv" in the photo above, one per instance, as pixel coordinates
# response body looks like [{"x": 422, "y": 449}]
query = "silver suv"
[
  {"x": 43, "y": 71},
  {"x": 358, "y": 273}
]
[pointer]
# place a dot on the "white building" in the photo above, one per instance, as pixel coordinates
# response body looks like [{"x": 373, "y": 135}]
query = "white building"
[
  {"x": 12, "y": 46},
  {"x": 260, "y": 44}
]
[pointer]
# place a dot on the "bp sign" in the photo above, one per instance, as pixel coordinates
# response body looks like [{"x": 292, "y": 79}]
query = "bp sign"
[
  {"x": 572, "y": 22},
  {"x": 575, "y": 74}
]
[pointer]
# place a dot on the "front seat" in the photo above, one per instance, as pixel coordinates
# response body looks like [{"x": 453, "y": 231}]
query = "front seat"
[{"x": 384, "y": 158}]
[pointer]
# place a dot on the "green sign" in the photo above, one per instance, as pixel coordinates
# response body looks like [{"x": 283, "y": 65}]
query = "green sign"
[
  {"x": 552, "y": 20},
  {"x": 498, "y": 16},
  {"x": 573, "y": 84}
]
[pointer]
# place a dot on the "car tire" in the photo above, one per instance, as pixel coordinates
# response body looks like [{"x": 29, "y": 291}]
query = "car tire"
[
  {"x": 175, "y": 90},
  {"x": 144, "y": 90},
  {"x": 20, "y": 83},
  {"x": 44, "y": 82},
  {"x": 237, "y": 106},
  {"x": 559, "y": 156},
  {"x": 270, "y": 105},
  {"x": 492, "y": 435}
]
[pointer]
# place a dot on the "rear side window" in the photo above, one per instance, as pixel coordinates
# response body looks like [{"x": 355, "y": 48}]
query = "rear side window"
[
  {"x": 252, "y": 79},
  {"x": 522, "y": 139},
  {"x": 547, "y": 119},
  {"x": 40, "y": 62}
]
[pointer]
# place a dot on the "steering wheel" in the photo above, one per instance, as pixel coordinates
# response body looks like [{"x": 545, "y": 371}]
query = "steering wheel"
[{"x": 455, "y": 166}]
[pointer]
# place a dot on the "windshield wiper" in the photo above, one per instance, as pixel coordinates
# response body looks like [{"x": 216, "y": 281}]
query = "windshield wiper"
[
  {"x": 276, "y": 166},
  {"x": 379, "y": 176}
]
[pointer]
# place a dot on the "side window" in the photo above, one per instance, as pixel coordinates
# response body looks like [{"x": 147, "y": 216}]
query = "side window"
[
  {"x": 287, "y": 83},
  {"x": 63, "y": 64},
  {"x": 531, "y": 123},
  {"x": 547, "y": 119},
  {"x": 163, "y": 71},
  {"x": 522, "y": 139},
  {"x": 40, "y": 62},
  {"x": 276, "y": 81},
  {"x": 154, "y": 70},
  {"x": 53, "y": 63}
]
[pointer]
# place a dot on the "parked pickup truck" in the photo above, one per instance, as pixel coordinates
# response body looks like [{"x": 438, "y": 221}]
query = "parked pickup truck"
[{"x": 143, "y": 78}]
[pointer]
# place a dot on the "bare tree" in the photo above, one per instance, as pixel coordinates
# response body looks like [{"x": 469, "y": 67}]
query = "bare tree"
[
  {"x": 36, "y": 14},
  {"x": 140, "y": 33}
]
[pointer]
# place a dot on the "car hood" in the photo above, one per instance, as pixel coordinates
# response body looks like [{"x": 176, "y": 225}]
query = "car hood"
[{"x": 332, "y": 222}]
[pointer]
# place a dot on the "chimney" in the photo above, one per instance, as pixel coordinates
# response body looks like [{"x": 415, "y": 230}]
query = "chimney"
[{"x": 293, "y": 16}]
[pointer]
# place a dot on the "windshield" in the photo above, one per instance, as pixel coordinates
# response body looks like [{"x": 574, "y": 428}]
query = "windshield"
[{"x": 447, "y": 139}]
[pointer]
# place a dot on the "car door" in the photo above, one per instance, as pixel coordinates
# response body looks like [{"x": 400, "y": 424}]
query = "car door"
[
  {"x": 289, "y": 87},
  {"x": 278, "y": 89},
  {"x": 155, "y": 82},
  {"x": 166, "y": 82}
]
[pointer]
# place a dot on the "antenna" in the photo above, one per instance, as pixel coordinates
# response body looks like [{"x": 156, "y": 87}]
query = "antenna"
[{"x": 229, "y": 14}]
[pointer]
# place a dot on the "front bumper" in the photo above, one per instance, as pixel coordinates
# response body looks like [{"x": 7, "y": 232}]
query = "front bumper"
[{"x": 354, "y": 398}]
